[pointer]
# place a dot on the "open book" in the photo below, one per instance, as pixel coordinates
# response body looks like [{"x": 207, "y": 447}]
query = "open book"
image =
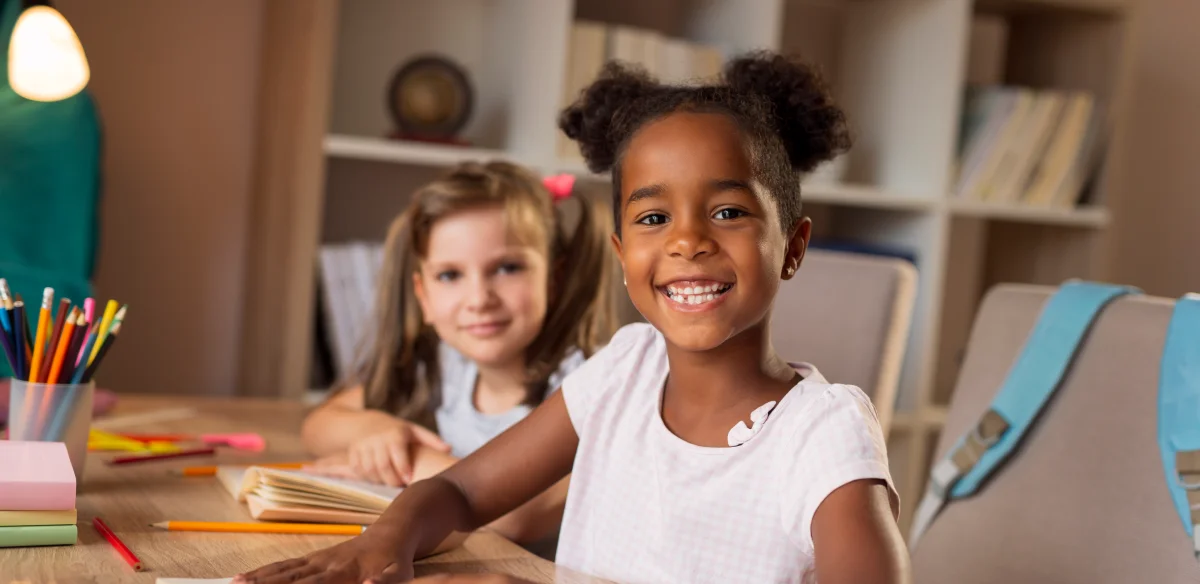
[{"x": 288, "y": 495}]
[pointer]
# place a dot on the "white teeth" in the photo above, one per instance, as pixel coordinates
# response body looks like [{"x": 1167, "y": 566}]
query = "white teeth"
[
  {"x": 710, "y": 297},
  {"x": 688, "y": 290}
]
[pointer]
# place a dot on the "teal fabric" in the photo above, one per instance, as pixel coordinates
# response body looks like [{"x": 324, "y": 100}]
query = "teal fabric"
[
  {"x": 49, "y": 188},
  {"x": 1179, "y": 397},
  {"x": 1040, "y": 369}
]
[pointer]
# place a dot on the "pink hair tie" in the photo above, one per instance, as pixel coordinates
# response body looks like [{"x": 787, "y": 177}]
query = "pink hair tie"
[{"x": 560, "y": 186}]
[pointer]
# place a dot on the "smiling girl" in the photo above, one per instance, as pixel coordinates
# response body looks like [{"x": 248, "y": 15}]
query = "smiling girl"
[
  {"x": 486, "y": 302},
  {"x": 696, "y": 452}
]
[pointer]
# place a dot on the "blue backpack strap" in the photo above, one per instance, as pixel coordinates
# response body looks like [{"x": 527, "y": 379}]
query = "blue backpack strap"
[
  {"x": 1179, "y": 413},
  {"x": 1033, "y": 378}
]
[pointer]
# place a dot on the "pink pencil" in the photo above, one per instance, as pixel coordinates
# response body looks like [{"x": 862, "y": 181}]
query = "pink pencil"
[{"x": 89, "y": 308}]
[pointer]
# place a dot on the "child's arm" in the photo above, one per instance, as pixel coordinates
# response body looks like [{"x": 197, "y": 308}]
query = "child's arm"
[
  {"x": 378, "y": 444},
  {"x": 524, "y": 461},
  {"x": 856, "y": 539}
]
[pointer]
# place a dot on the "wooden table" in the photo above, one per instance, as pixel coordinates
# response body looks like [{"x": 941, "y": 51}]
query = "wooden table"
[{"x": 129, "y": 498}]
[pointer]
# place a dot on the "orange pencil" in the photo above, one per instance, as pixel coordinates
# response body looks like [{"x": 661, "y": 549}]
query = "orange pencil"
[
  {"x": 60, "y": 352},
  {"x": 208, "y": 471},
  {"x": 39, "y": 341},
  {"x": 310, "y": 528},
  {"x": 117, "y": 544},
  {"x": 60, "y": 318}
]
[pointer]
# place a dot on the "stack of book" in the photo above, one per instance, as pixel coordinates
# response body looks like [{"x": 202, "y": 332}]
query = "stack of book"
[
  {"x": 37, "y": 494},
  {"x": 1021, "y": 146},
  {"x": 671, "y": 60}
]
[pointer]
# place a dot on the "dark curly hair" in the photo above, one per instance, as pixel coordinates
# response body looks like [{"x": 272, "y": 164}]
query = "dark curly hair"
[{"x": 782, "y": 106}]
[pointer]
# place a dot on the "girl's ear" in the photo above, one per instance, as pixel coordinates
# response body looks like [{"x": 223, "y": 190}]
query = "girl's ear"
[
  {"x": 422, "y": 299},
  {"x": 616, "y": 244},
  {"x": 797, "y": 245}
]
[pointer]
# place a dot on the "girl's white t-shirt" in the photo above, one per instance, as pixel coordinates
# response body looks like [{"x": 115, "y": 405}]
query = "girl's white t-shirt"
[{"x": 647, "y": 506}]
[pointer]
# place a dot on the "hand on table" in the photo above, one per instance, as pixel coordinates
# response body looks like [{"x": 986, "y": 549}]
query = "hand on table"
[
  {"x": 386, "y": 457},
  {"x": 350, "y": 562},
  {"x": 461, "y": 579}
]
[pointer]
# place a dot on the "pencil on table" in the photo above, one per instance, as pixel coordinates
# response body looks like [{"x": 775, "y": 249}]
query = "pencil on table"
[
  {"x": 109, "y": 312},
  {"x": 39, "y": 341},
  {"x": 164, "y": 455},
  {"x": 310, "y": 528},
  {"x": 117, "y": 544},
  {"x": 211, "y": 470},
  {"x": 64, "y": 306}
]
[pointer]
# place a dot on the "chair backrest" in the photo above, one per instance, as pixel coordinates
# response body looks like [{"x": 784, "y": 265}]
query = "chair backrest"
[
  {"x": 849, "y": 315},
  {"x": 1083, "y": 499}
]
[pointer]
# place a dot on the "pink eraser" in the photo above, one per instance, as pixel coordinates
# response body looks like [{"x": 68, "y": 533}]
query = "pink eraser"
[{"x": 243, "y": 441}]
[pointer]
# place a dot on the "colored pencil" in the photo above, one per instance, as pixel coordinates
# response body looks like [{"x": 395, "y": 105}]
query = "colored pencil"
[
  {"x": 117, "y": 544},
  {"x": 89, "y": 310},
  {"x": 162, "y": 456},
  {"x": 108, "y": 343},
  {"x": 64, "y": 306},
  {"x": 9, "y": 354},
  {"x": 208, "y": 471},
  {"x": 109, "y": 312},
  {"x": 80, "y": 365},
  {"x": 25, "y": 330},
  {"x": 60, "y": 352},
  {"x": 39, "y": 341},
  {"x": 311, "y": 528},
  {"x": 18, "y": 336},
  {"x": 77, "y": 337},
  {"x": 5, "y": 307}
]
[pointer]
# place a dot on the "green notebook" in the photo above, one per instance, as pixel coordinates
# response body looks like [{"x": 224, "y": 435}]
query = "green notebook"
[{"x": 34, "y": 535}]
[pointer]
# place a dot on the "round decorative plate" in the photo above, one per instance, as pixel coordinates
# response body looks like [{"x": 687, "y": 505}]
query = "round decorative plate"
[{"x": 430, "y": 97}]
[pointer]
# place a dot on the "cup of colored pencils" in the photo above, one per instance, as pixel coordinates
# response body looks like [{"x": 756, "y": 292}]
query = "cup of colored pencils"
[{"x": 54, "y": 364}]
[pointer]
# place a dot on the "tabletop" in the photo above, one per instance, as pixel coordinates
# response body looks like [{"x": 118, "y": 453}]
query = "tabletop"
[{"x": 131, "y": 497}]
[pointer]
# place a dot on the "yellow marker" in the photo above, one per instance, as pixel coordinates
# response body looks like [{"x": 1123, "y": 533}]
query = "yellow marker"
[{"x": 110, "y": 310}]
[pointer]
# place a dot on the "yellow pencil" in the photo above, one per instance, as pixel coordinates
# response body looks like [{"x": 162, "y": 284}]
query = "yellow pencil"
[
  {"x": 39, "y": 341},
  {"x": 110, "y": 310},
  {"x": 309, "y": 528}
]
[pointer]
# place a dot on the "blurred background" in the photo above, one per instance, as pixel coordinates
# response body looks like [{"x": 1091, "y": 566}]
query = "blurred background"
[{"x": 231, "y": 165}]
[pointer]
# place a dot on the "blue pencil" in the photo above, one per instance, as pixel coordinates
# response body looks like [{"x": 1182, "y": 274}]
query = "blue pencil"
[
  {"x": 18, "y": 337},
  {"x": 82, "y": 364},
  {"x": 5, "y": 307}
]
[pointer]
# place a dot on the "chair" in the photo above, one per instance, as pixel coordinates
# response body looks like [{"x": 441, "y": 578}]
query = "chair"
[
  {"x": 849, "y": 315},
  {"x": 1083, "y": 499}
]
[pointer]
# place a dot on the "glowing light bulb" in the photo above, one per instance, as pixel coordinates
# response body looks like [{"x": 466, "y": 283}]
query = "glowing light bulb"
[{"x": 45, "y": 60}]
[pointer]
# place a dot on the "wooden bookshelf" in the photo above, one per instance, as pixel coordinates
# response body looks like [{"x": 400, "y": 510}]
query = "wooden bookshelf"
[{"x": 899, "y": 68}]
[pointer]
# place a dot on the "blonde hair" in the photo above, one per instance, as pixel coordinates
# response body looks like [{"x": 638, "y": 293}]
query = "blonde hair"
[{"x": 399, "y": 368}]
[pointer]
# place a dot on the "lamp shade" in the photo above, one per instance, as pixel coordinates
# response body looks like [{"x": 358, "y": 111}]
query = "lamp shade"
[{"x": 45, "y": 60}]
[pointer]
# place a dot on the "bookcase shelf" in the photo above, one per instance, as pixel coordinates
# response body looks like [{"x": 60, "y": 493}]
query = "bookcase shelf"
[{"x": 899, "y": 68}]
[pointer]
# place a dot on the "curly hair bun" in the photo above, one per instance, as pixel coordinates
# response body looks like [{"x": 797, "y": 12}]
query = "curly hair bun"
[
  {"x": 813, "y": 129},
  {"x": 592, "y": 119}
]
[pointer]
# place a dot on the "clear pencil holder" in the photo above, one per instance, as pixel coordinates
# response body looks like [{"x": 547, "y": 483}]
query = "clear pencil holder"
[{"x": 53, "y": 413}]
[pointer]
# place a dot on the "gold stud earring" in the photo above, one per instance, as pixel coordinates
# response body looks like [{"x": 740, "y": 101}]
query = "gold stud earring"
[{"x": 791, "y": 270}]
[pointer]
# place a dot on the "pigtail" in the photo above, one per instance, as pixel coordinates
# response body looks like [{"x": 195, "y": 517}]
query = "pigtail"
[
  {"x": 581, "y": 314},
  {"x": 398, "y": 366}
]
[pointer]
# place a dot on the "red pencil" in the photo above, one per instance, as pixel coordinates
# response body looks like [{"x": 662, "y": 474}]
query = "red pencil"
[
  {"x": 164, "y": 455},
  {"x": 117, "y": 543}
]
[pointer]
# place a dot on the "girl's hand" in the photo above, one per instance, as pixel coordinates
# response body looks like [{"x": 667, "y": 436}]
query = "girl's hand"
[
  {"x": 385, "y": 457},
  {"x": 350, "y": 562}
]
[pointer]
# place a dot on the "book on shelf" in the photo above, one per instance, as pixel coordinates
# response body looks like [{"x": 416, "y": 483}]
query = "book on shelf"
[
  {"x": 349, "y": 273},
  {"x": 288, "y": 495},
  {"x": 1024, "y": 146},
  {"x": 671, "y": 60}
]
